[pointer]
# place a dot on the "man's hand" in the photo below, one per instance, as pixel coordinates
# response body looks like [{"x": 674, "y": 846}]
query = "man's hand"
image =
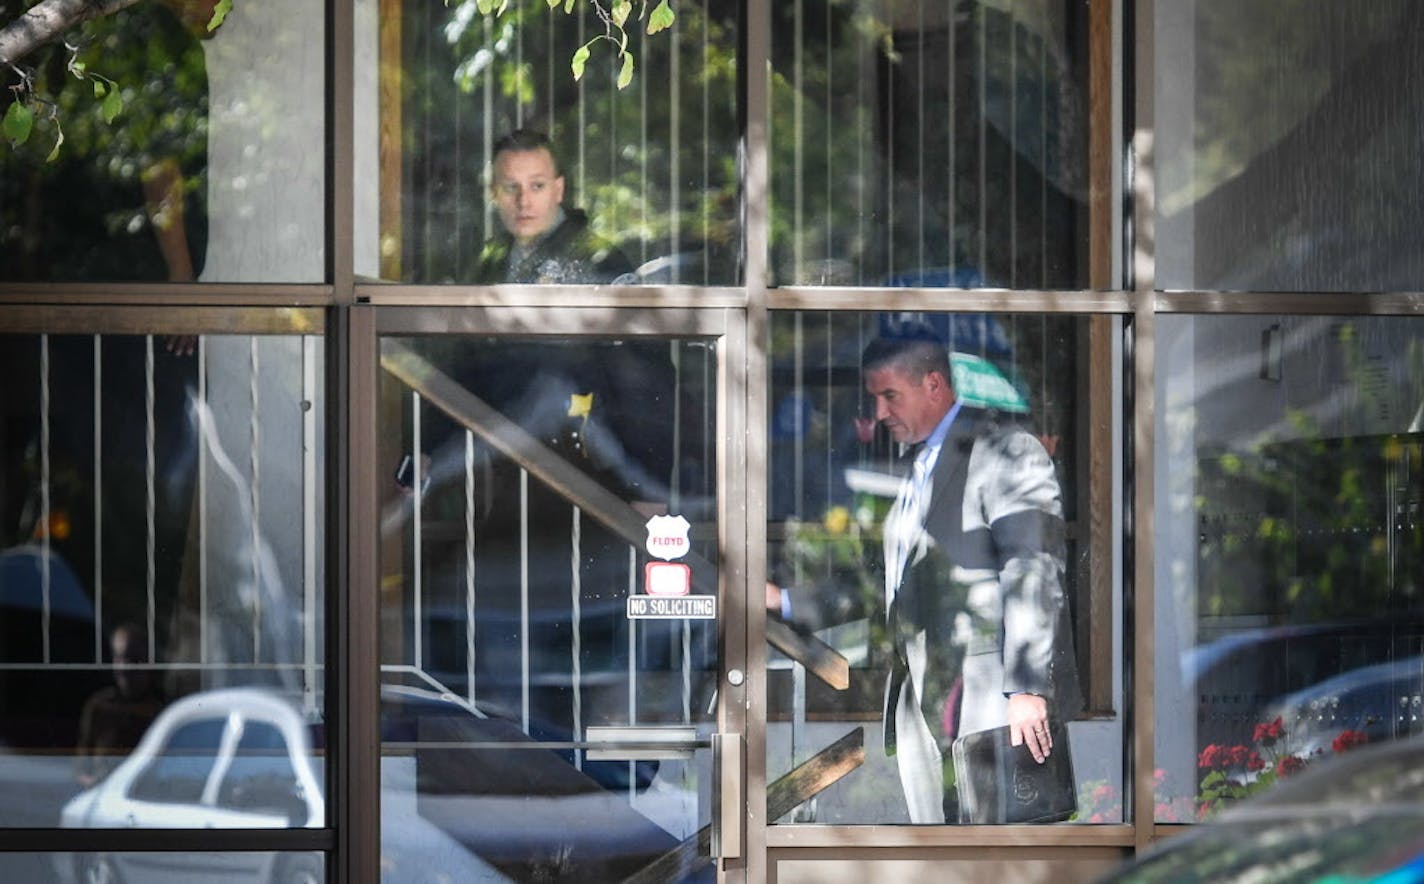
[
  {"x": 1028, "y": 723},
  {"x": 773, "y": 597}
]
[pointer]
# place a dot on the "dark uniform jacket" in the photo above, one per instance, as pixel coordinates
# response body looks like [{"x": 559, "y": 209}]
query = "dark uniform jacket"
[{"x": 568, "y": 255}]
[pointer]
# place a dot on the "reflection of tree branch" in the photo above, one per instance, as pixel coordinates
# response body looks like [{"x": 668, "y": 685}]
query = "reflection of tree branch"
[{"x": 47, "y": 19}]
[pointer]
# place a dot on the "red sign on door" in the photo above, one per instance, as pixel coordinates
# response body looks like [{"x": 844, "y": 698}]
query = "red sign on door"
[{"x": 667, "y": 578}]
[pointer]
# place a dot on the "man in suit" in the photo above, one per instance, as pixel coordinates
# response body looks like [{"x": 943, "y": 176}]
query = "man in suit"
[{"x": 974, "y": 554}]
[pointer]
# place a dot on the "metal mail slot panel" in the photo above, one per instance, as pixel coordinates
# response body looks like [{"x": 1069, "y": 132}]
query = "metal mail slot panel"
[{"x": 636, "y": 743}]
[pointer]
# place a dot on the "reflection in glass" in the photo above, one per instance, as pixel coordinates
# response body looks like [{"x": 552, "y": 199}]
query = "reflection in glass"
[
  {"x": 1282, "y": 143},
  {"x": 227, "y": 758},
  {"x": 1289, "y": 543},
  {"x": 161, "y": 540},
  {"x": 523, "y": 477},
  {"x": 210, "y": 168},
  {"x": 654, "y": 165},
  {"x": 928, "y": 144},
  {"x": 835, "y": 489},
  {"x": 207, "y": 867}
]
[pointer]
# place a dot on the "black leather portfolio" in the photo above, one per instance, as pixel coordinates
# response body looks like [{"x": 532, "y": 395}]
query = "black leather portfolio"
[{"x": 999, "y": 783}]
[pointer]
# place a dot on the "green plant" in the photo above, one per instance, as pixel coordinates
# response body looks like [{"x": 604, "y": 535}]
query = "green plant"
[{"x": 614, "y": 16}]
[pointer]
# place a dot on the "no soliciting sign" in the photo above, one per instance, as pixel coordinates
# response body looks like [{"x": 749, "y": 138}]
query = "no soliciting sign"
[{"x": 682, "y": 607}]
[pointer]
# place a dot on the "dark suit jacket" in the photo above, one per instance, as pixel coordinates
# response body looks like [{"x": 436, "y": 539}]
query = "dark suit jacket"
[{"x": 983, "y": 581}]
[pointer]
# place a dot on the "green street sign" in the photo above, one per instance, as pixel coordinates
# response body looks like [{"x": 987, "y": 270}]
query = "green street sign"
[{"x": 979, "y": 384}]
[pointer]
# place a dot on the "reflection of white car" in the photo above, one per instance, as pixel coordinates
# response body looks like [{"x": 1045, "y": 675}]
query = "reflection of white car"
[{"x": 237, "y": 758}]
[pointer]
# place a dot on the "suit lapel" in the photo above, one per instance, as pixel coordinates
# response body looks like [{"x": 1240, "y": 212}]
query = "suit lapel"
[{"x": 948, "y": 480}]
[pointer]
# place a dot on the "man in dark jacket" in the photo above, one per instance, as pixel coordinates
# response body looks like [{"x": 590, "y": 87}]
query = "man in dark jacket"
[{"x": 542, "y": 242}]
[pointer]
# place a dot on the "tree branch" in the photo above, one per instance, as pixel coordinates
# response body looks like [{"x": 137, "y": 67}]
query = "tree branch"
[{"x": 45, "y": 21}]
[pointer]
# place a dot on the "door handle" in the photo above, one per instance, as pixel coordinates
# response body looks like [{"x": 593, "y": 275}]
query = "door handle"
[{"x": 727, "y": 813}]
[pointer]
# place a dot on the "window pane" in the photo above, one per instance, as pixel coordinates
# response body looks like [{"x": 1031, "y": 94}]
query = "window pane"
[
  {"x": 929, "y": 144},
  {"x": 526, "y": 475},
  {"x": 654, "y": 165},
  {"x": 161, "y": 575},
  {"x": 1015, "y": 461},
  {"x": 209, "y": 166},
  {"x": 206, "y": 867},
  {"x": 1289, "y": 546},
  {"x": 179, "y": 775},
  {"x": 1284, "y": 137}
]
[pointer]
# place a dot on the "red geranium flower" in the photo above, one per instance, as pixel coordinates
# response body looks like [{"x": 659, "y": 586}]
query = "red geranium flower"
[
  {"x": 1289, "y": 765},
  {"x": 1212, "y": 756},
  {"x": 1268, "y": 732},
  {"x": 1349, "y": 740}
]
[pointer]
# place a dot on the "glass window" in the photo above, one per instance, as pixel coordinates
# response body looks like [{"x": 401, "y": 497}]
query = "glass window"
[
  {"x": 531, "y": 481},
  {"x": 1283, "y": 140},
  {"x": 207, "y": 867},
  {"x": 262, "y": 778},
  {"x": 161, "y": 570},
  {"x": 1288, "y": 545},
  {"x": 162, "y": 151},
  {"x": 179, "y": 775},
  {"x": 929, "y": 144},
  {"x": 647, "y": 175},
  {"x": 993, "y": 551}
]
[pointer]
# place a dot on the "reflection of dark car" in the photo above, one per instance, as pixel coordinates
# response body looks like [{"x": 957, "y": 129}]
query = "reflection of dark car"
[
  {"x": 413, "y": 715},
  {"x": 45, "y": 614},
  {"x": 1245, "y": 677},
  {"x": 1384, "y": 702},
  {"x": 520, "y": 803},
  {"x": 1355, "y": 817}
]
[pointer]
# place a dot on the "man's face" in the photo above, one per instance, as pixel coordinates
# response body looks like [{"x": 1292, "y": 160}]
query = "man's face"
[
  {"x": 528, "y": 190},
  {"x": 909, "y": 409}
]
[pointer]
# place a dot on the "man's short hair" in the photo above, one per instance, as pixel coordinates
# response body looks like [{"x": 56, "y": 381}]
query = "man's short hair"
[
  {"x": 916, "y": 351},
  {"x": 526, "y": 139}
]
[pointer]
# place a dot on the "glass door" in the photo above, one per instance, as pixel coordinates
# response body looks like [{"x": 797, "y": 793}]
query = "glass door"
[{"x": 553, "y": 605}]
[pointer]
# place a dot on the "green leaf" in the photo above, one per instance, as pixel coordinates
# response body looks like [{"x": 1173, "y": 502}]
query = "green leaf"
[
  {"x": 569, "y": 6},
  {"x": 58, "y": 140},
  {"x": 553, "y": 3},
  {"x": 100, "y": 88},
  {"x": 113, "y": 105},
  {"x": 18, "y": 123},
  {"x": 220, "y": 12},
  {"x": 580, "y": 59},
  {"x": 625, "y": 76},
  {"x": 661, "y": 18},
  {"x": 621, "y": 10}
]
